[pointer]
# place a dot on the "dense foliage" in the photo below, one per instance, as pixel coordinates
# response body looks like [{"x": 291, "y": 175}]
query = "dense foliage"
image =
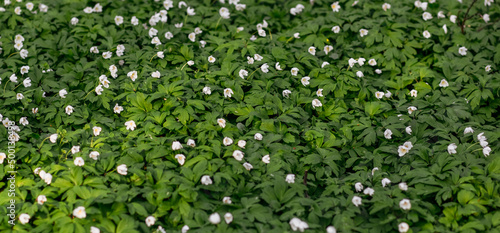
[{"x": 314, "y": 116}]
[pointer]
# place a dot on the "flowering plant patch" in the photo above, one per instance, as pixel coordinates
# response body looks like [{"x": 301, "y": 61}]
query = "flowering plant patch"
[{"x": 249, "y": 116}]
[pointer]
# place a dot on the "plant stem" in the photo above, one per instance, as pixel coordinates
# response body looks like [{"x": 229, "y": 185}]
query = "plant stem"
[
  {"x": 465, "y": 17},
  {"x": 218, "y": 21}
]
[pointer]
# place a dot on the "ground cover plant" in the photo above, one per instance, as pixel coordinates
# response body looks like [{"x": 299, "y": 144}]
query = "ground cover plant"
[{"x": 249, "y": 116}]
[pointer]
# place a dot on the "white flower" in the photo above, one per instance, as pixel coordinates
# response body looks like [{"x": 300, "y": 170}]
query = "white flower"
[
  {"x": 243, "y": 73},
  {"x": 296, "y": 35},
  {"x": 386, "y": 6},
  {"x": 94, "y": 230},
  {"x": 286, "y": 93},
  {"x": 379, "y": 95},
  {"x": 378, "y": 71},
  {"x": 443, "y": 83},
  {"x": 190, "y": 11},
  {"x": 358, "y": 186},
  {"x": 462, "y": 51},
  {"x": 266, "y": 159},
  {"x": 27, "y": 82},
  {"x": 468, "y": 130},
  {"x": 180, "y": 158},
  {"x": 191, "y": 143},
  {"x": 426, "y": 16},
  {"x": 130, "y": 125},
  {"x": 190, "y": 63},
  {"x": 488, "y": 2},
  {"x": 18, "y": 45},
  {"x": 211, "y": 59},
  {"x": 238, "y": 155},
  {"x": 192, "y": 36},
  {"x": 453, "y": 18},
  {"x": 408, "y": 130},
  {"x": 33, "y": 110},
  {"x": 156, "y": 41},
  {"x": 402, "y": 150},
  {"x": 94, "y": 49},
  {"x": 277, "y": 66},
  {"x": 47, "y": 178},
  {"x": 79, "y": 161},
  {"x": 94, "y": 155},
  {"x": 227, "y": 200},
  {"x": 206, "y": 180},
  {"x": 356, "y": 200},
  {"x": 324, "y": 64},
  {"x": 413, "y": 93},
  {"x": 23, "y": 53},
  {"x": 97, "y": 130},
  {"x": 227, "y": 141},
  {"x": 75, "y": 149},
  {"x": 297, "y": 224},
  {"x": 331, "y": 229},
  {"x": 63, "y": 93},
  {"x": 481, "y": 137},
  {"x": 132, "y": 75},
  {"x": 24, "y": 218},
  {"x": 117, "y": 109},
  {"x": 405, "y": 204},
  {"x": 228, "y": 217},
  {"x": 403, "y": 186},
  {"x": 408, "y": 145},
  {"x": 360, "y": 74},
  {"x": 156, "y": 74},
  {"x": 69, "y": 109},
  {"x": 385, "y": 182},
  {"x": 207, "y": 91},
  {"x": 486, "y": 18},
  {"x": 264, "y": 68},
  {"x": 134, "y": 21},
  {"x": 352, "y": 61},
  {"x": 25, "y": 69},
  {"x": 176, "y": 145},
  {"x": 361, "y": 61},
  {"x": 258, "y": 136},
  {"x": 441, "y": 15},
  {"x": 202, "y": 43},
  {"x": 335, "y": 7},
  {"x": 88, "y": 10},
  {"x": 363, "y": 32},
  {"x": 242, "y": 143},
  {"x": 312, "y": 50},
  {"x": 290, "y": 178},
  {"x": 17, "y": 10},
  {"x": 41, "y": 199},
  {"x": 369, "y": 191},
  {"x": 258, "y": 57},
  {"x": 118, "y": 20},
  {"x": 79, "y": 212},
  {"x": 486, "y": 151},
  {"x": 152, "y": 32},
  {"x": 150, "y": 221},
  {"x": 403, "y": 227},
  {"x": 294, "y": 71},
  {"x": 107, "y": 55},
  {"x": 305, "y": 80},
  {"x": 221, "y": 122},
  {"x": 336, "y": 29},
  {"x": 250, "y": 60},
  {"x": 228, "y": 92},
  {"x": 122, "y": 169},
  {"x": 224, "y": 13},
  {"x": 411, "y": 109},
  {"x": 99, "y": 90},
  {"x": 372, "y": 62},
  {"x": 487, "y": 68},
  {"x": 248, "y": 166},
  {"x": 185, "y": 229},
  {"x": 74, "y": 21},
  {"x": 319, "y": 92},
  {"x": 388, "y": 133},
  {"x": 427, "y": 34},
  {"x": 23, "y": 121},
  {"x": 214, "y": 218},
  {"x": 316, "y": 103}
]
